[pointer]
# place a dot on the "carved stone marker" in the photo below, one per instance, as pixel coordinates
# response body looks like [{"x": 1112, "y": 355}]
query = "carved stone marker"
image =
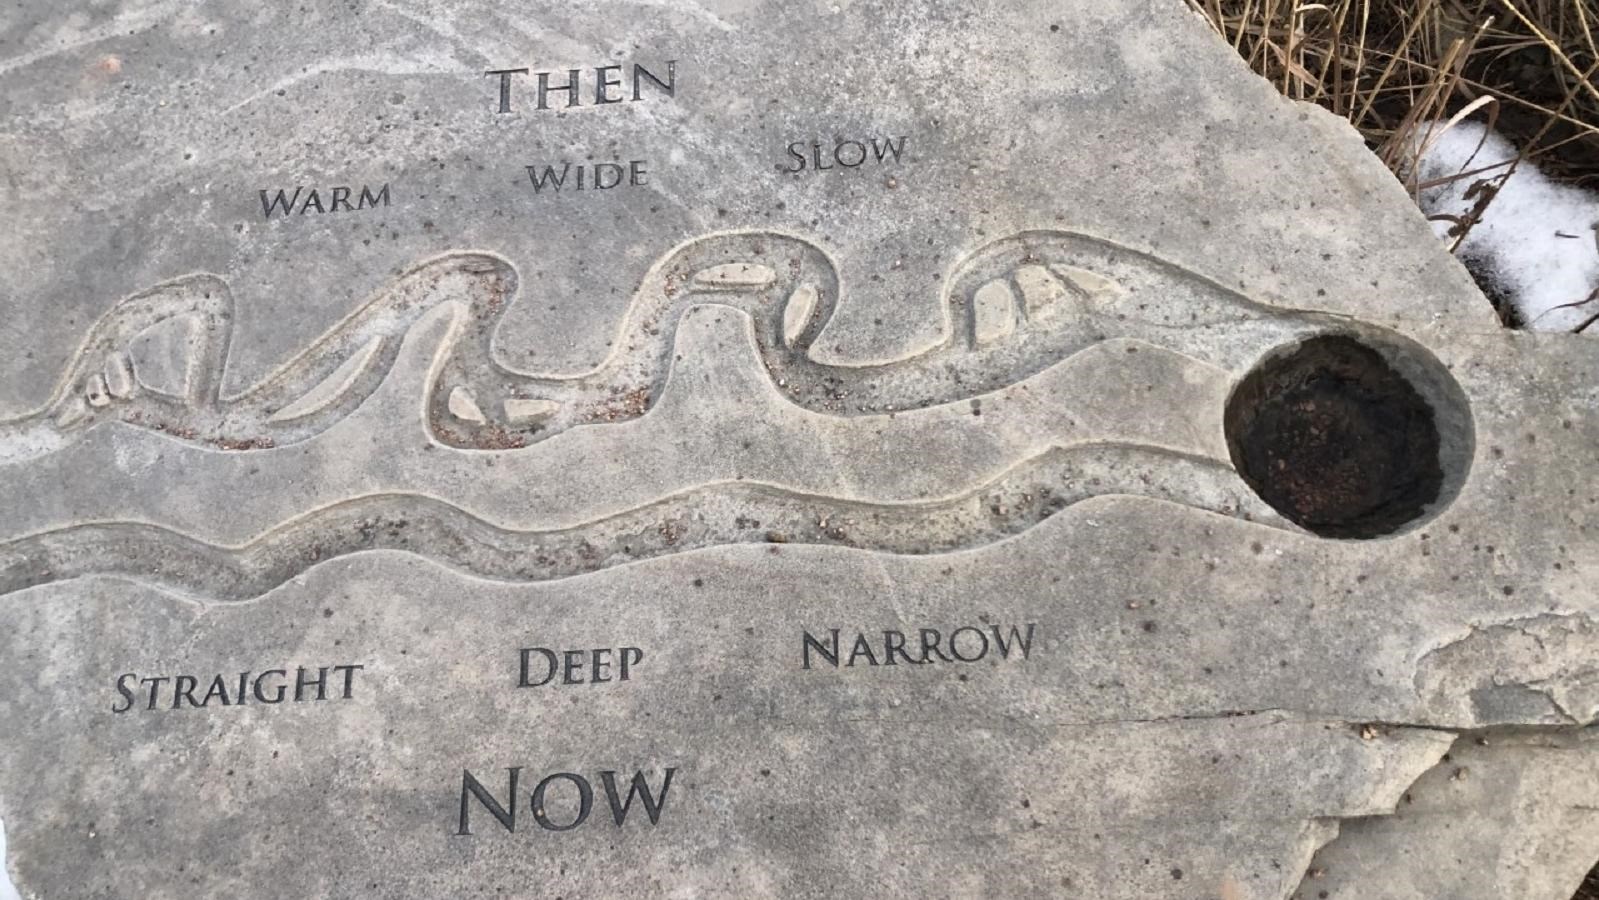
[{"x": 761, "y": 449}]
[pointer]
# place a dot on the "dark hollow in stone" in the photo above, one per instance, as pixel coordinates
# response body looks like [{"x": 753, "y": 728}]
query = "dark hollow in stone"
[{"x": 1335, "y": 439}]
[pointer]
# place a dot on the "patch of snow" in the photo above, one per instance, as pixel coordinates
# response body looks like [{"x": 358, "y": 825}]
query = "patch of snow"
[
  {"x": 8, "y": 891},
  {"x": 1537, "y": 241}
]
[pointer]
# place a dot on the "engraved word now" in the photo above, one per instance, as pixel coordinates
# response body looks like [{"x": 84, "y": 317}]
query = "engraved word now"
[{"x": 505, "y": 814}]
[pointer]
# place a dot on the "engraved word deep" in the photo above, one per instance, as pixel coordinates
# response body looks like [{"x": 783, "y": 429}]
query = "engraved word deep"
[{"x": 540, "y": 665}]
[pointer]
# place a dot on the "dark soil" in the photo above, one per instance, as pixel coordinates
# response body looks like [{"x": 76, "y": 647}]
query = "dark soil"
[
  {"x": 1590, "y": 887},
  {"x": 1335, "y": 440},
  {"x": 1494, "y": 291}
]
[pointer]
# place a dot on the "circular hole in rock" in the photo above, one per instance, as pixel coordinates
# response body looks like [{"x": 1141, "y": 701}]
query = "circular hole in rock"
[{"x": 1336, "y": 439}]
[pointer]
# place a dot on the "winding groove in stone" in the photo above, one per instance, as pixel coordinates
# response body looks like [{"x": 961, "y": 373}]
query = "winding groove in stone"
[
  {"x": 1071, "y": 291},
  {"x": 729, "y": 513}
]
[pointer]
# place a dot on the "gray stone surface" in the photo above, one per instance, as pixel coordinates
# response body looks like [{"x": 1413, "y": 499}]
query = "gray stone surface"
[
  {"x": 1510, "y": 815},
  {"x": 978, "y": 384}
]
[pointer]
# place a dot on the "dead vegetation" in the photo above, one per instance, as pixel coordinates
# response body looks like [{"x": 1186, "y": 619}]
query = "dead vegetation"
[
  {"x": 1389, "y": 65},
  {"x": 1394, "y": 67}
]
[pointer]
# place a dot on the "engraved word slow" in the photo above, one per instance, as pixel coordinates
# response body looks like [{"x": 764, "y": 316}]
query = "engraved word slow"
[{"x": 844, "y": 153}]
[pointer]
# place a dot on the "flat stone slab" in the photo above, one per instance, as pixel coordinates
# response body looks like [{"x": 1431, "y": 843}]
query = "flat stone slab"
[{"x": 761, "y": 449}]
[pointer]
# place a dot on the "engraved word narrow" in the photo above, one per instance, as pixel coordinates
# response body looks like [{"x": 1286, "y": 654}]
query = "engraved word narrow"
[{"x": 967, "y": 644}]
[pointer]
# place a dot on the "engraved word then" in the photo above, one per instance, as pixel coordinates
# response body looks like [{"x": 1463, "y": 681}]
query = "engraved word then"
[
  {"x": 338, "y": 200},
  {"x": 269, "y": 687},
  {"x": 597, "y": 177},
  {"x": 846, "y": 154},
  {"x": 577, "y": 666},
  {"x": 968, "y": 644},
  {"x": 605, "y": 87},
  {"x": 505, "y": 814}
]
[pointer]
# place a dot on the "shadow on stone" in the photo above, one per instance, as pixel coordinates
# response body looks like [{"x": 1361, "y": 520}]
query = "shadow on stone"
[{"x": 1589, "y": 889}]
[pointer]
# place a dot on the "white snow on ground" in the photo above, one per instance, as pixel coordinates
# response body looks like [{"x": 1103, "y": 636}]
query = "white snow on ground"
[
  {"x": 1537, "y": 239},
  {"x": 8, "y": 891}
]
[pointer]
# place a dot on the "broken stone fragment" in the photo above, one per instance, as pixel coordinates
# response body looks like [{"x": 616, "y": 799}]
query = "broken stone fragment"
[
  {"x": 1095, "y": 285},
  {"x": 1043, "y": 293},
  {"x": 523, "y": 411},
  {"x": 734, "y": 276},
  {"x": 333, "y": 388},
  {"x": 162, "y": 356},
  {"x": 993, "y": 312},
  {"x": 94, "y": 390},
  {"x": 119, "y": 374},
  {"x": 1514, "y": 816},
  {"x": 71, "y": 412},
  {"x": 797, "y": 313},
  {"x": 464, "y": 406}
]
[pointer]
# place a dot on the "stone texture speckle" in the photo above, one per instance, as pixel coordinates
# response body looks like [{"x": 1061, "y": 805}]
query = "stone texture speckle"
[{"x": 903, "y": 489}]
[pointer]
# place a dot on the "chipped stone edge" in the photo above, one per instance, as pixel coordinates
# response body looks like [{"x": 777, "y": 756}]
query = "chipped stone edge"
[{"x": 1306, "y": 887}]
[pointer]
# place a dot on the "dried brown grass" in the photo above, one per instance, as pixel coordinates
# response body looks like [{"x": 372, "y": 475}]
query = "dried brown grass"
[
  {"x": 1389, "y": 66},
  {"x": 1396, "y": 68}
]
